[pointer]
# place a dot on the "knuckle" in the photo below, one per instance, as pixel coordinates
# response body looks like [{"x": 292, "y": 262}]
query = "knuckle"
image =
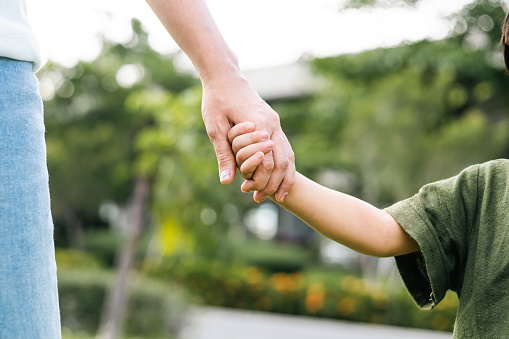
[
  {"x": 235, "y": 146},
  {"x": 230, "y": 136},
  {"x": 292, "y": 180},
  {"x": 268, "y": 166},
  {"x": 269, "y": 189},
  {"x": 275, "y": 118},
  {"x": 213, "y": 133},
  {"x": 240, "y": 158},
  {"x": 245, "y": 172},
  {"x": 283, "y": 165},
  {"x": 216, "y": 132},
  {"x": 258, "y": 183},
  {"x": 246, "y": 176},
  {"x": 291, "y": 156},
  {"x": 222, "y": 158},
  {"x": 289, "y": 182}
]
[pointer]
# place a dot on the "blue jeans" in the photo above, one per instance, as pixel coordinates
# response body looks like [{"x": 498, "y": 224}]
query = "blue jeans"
[{"x": 28, "y": 281}]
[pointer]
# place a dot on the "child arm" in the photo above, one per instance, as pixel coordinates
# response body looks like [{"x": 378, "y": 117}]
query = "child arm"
[
  {"x": 348, "y": 220},
  {"x": 340, "y": 217}
]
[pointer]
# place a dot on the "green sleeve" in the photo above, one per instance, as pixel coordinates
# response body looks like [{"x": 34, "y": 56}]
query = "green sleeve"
[{"x": 439, "y": 218}]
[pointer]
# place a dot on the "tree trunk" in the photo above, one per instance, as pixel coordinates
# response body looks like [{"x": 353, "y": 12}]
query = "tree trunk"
[{"x": 114, "y": 307}]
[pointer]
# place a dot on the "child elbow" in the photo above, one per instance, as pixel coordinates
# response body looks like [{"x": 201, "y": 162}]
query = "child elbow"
[{"x": 382, "y": 252}]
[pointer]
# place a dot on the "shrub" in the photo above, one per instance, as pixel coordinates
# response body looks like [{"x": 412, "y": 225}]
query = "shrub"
[
  {"x": 274, "y": 257},
  {"x": 154, "y": 310},
  {"x": 339, "y": 297},
  {"x": 69, "y": 258}
]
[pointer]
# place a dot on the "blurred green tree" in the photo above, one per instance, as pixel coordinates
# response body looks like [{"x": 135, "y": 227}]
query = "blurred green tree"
[
  {"x": 401, "y": 117},
  {"x": 131, "y": 115},
  {"x": 90, "y": 134}
]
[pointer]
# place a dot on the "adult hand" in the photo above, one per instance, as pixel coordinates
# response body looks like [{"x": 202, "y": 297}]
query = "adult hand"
[
  {"x": 228, "y": 98},
  {"x": 229, "y": 102}
]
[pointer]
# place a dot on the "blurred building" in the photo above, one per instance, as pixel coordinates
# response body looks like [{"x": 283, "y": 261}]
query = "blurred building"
[{"x": 283, "y": 82}]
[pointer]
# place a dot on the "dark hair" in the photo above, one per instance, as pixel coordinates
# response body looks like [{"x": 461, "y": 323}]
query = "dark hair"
[{"x": 505, "y": 41}]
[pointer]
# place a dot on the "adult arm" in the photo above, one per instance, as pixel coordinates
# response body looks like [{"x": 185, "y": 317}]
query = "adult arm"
[{"x": 228, "y": 98}]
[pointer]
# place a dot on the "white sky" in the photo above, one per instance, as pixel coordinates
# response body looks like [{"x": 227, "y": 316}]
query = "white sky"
[{"x": 262, "y": 33}]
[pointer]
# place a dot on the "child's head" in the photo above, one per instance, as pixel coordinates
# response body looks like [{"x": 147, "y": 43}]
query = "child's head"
[{"x": 505, "y": 41}]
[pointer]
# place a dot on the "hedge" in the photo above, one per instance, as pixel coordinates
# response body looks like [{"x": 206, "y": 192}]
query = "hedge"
[{"x": 346, "y": 297}]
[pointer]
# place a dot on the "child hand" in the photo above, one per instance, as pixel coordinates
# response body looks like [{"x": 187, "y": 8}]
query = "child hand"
[{"x": 249, "y": 147}]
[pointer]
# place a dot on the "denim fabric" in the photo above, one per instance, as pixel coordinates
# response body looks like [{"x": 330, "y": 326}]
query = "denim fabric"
[{"x": 28, "y": 282}]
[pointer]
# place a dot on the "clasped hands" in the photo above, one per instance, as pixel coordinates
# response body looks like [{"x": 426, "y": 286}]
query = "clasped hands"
[
  {"x": 251, "y": 149},
  {"x": 240, "y": 124}
]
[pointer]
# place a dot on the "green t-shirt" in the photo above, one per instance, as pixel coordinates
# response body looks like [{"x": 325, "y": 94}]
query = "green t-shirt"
[{"x": 462, "y": 227}]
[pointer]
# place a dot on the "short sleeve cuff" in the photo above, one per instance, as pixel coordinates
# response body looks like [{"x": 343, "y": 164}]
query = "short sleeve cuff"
[{"x": 423, "y": 272}]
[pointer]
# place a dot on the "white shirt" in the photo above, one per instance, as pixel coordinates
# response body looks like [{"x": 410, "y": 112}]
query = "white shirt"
[{"x": 17, "y": 39}]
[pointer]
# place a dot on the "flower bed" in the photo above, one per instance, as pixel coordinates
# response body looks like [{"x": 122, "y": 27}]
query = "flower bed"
[{"x": 338, "y": 297}]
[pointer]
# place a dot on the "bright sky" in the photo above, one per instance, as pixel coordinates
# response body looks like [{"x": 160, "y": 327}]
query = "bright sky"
[{"x": 262, "y": 33}]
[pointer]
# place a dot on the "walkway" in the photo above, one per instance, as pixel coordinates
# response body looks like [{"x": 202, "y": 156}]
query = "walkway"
[{"x": 219, "y": 323}]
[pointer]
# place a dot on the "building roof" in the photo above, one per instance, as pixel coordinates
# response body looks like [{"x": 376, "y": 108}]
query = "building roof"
[{"x": 283, "y": 82}]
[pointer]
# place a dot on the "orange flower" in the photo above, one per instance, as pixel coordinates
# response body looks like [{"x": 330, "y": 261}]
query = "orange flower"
[
  {"x": 284, "y": 283},
  {"x": 314, "y": 298}
]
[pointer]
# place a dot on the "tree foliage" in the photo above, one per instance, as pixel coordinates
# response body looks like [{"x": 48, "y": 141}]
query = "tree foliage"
[
  {"x": 90, "y": 132},
  {"x": 401, "y": 117},
  {"x": 131, "y": 113}
]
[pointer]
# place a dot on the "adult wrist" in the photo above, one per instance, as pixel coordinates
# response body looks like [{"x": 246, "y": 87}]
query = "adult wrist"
[{"x": 218, "y": 68}]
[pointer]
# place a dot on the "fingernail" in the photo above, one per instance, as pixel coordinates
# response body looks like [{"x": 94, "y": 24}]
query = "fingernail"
[
  {"x": 251, "y": 127},
  {"x": 225, "y": 175},
  {"x": 264, "y": 135},
  {"x": 269, "y": 143},
  {"x": 283, "y": 196},
  {"x": 242, "y": 188},
  {"x": 261, "y": 200},
  {"x": 259, "y": 154}
]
